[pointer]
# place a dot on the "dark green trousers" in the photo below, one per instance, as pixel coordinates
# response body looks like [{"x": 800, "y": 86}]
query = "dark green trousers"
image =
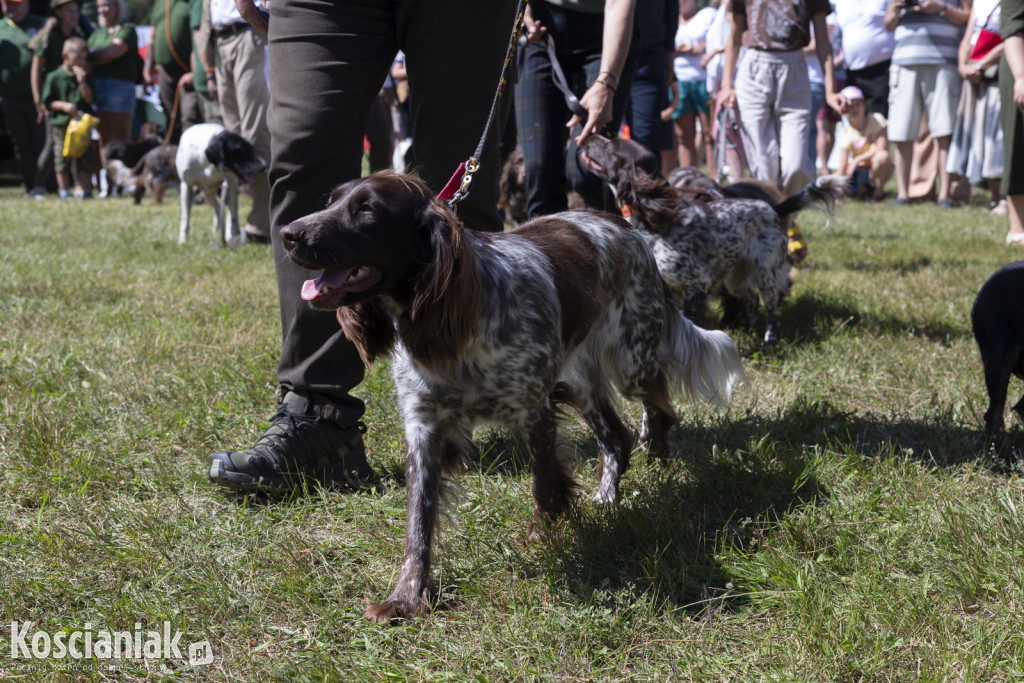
[{"x": 328, "y": 61}]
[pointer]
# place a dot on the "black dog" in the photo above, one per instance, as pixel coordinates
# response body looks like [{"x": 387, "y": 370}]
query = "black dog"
[{"x": 998, "y": 323}]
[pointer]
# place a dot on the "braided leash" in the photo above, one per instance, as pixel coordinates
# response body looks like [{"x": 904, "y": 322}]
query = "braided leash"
[{"x": 458, "y": 187}]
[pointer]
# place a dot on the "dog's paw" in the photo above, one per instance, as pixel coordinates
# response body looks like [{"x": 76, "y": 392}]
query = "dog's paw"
[{"x": 393, "y": 610}]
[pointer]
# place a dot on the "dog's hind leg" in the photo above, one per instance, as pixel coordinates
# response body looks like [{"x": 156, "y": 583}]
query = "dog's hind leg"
[
  {"x": 773, "y": 284},
  {"x": 423, "y": 465},
  {"x": 218, "y": 210},
  {"x": 186, "y": 211},
  {"x": 659, "y": 416},
  {"x": 553, "y": 484},
  {"x": 614, "y": 440}
]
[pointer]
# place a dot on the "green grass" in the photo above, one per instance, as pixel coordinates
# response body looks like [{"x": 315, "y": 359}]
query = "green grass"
[{"x": 839, "y": 521}]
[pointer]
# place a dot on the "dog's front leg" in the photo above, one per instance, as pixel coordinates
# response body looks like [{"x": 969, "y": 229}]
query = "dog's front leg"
[
  {"x": 423, "y": 464},
  {"x": 230, "y": 201}
]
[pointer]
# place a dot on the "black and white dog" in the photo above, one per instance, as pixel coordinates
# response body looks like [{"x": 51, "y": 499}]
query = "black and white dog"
[
  {"x": 735, "y": 246},
  {"x": 212, "y": 159},
  {"x": 997, "y": 319}
]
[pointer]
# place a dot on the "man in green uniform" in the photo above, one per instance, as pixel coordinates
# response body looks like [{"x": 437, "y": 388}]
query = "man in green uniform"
[
  {"x": 26, "y": 131},
  {"x": 168, "y": 59}
]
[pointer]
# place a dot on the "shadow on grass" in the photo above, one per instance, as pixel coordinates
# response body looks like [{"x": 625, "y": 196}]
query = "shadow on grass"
[
  {"x": 814, "y": 318},
  {"x": 732, "y": 484}
]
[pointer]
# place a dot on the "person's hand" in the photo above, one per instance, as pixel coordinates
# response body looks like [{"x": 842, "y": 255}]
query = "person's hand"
[
  {"x": 970, "y": 72},
  {"x": 726, "y": 97},
  {"x": 705, "y": 58},
  {"x": 1018, "y": 93},
  {"x": 684, "y": 49},
  {"x": 536, "y": 31},
  {"x": 666, "y": 115},
  {"x": 257, "y": 17},
  {"x": 187, "y": 81},
  {"x": 40, "y": 112},
  {"x": 79, "y": 73},
  {"x": 929, "y": 7},
  {"x": 598, "y": 103},
  {"x": 838, "y": 102}
]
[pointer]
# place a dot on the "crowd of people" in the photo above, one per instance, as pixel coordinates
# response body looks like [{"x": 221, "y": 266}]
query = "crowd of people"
[
  {"x": 204, "y": 62},
  {"x": 924, "y": 90}
]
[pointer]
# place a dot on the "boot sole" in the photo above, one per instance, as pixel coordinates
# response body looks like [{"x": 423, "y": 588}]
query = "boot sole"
[{"x": 334, "y": 477}]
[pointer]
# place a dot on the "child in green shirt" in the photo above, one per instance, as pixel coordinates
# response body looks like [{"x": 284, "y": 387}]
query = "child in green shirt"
[{"x": 66, "y": 91}]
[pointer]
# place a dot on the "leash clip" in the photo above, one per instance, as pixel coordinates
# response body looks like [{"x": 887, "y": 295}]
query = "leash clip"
[{"x": 471, "y": 167}]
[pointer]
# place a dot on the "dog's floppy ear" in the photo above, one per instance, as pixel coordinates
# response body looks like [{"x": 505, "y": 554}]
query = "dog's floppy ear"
[
  {"x": 445, "y": 308},
  {"x": 215, "y": 152},
  {"x": 651, "y": 199},
  {"x": 369, "y": 329}
]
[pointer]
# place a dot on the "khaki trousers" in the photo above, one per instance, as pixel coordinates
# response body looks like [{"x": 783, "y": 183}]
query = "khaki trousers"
[
  {"x": 240, "y": 61},
  {"x": 773, "y": 94}
]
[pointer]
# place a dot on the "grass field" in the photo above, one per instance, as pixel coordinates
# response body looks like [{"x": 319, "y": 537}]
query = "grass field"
[{"x": 839, "y": 521}]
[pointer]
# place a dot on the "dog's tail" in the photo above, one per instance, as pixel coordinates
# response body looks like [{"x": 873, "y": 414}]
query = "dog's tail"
[
  {"x": 820, "y": 195},
  {"x": 702, "y": 363}
]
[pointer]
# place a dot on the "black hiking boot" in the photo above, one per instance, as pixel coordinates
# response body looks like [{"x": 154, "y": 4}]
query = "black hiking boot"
[{"x": 297, "y": 447}]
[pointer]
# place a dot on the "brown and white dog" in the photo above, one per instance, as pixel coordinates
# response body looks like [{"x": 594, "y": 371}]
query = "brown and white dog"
[
  {"x": 155, "y": 172},
  {"x": 512, "y": 189},
  {"x": 121, "y": 156},
  {"x": 502, "y": 328}
]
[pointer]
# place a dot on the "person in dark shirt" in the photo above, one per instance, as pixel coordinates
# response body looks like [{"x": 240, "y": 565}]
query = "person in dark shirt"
[{"x": 68, "y": 90}]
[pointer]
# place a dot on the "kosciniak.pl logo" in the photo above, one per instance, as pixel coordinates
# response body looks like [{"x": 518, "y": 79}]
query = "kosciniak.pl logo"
[{"x": 28, "y": 642}]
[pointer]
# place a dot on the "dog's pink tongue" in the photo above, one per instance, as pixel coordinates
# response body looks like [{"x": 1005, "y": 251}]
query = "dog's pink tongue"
[{"x": 311, "y": 288}]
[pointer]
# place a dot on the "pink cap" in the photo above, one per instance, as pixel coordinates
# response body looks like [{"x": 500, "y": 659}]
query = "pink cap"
[{"x": 851, "y": 93}]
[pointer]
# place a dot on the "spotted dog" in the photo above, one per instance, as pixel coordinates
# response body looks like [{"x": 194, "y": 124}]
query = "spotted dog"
[
  {"x": 501, "y": 328},
  {"x": 738, "y": 246}
]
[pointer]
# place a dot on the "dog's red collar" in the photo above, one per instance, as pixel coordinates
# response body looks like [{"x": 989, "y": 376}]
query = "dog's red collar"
[{"x": 627, "y": 211}]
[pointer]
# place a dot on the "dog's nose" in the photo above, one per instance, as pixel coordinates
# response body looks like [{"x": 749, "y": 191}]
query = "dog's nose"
[{"x": 291, "y": 235}]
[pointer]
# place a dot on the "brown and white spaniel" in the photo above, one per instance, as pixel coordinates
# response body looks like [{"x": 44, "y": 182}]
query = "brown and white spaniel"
[{"x": 503, "y": 328}]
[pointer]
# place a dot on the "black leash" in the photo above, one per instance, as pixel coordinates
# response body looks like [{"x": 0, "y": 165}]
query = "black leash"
[
  {"x": 464, "y": 174},
  {"x": 560, "y": 82}
]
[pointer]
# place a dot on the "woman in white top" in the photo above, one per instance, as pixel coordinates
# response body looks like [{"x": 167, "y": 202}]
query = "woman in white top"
[{"x": 693, "y": 93}]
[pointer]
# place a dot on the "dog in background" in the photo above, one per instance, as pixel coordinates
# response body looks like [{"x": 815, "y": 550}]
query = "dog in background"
[
  {"x": 695, "y": 186},
  {"x": 213, "y": 160},
  {"x": 704, "y": 248},
  {"x": 155, "y": 172},
  {"x": 502, "y": 328},
  {"x": 120, "y": 156},
  {"x": 512, "y": 189},
  {"x": 997, "y": 320}
]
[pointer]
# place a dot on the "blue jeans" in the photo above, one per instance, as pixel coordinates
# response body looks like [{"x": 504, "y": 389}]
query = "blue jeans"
[
  {"x": 647, "y": 98},
  {"x": 115, "y": 95},
  {"x": 817, "y": 102}
]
